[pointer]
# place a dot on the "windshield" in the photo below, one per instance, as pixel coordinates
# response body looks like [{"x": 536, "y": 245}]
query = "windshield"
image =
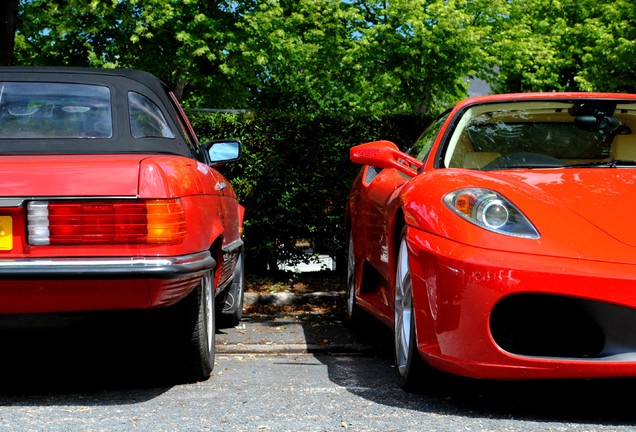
[
  {"x": 54, "y": 110},
  {"x": 543, "y": 134}
]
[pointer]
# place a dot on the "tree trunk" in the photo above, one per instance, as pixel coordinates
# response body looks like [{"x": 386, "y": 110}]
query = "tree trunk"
[{"x": 8, "y": 20}]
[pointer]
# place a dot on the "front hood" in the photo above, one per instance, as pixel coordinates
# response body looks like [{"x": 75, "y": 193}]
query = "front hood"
[
  {"x": 605, "y": 197},
  {"x": 579, "y": 213},
  {"x": 66, "y": 175}
]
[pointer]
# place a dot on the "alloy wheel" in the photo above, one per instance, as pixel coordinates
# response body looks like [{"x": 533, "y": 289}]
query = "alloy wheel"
[
  {"x": 351, "y": 279},
  {"x": 403, "y": 309}
]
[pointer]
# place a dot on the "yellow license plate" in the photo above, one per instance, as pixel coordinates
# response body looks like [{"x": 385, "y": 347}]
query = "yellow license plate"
[{"x": 6, "y": 233}]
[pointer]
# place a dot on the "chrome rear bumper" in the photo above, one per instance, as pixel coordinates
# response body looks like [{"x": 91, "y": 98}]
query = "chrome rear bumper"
[{"x": 131, "y": 267}]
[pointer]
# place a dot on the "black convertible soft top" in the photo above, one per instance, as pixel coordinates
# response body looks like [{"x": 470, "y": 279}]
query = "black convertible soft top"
[{"x": 121, "y": 83}]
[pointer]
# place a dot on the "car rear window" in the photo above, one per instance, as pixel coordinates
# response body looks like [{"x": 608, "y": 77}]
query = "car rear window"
[{"x": 33, "y": 110}]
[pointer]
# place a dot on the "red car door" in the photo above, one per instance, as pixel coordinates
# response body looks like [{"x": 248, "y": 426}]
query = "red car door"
[{"x": 371, "y": 228}]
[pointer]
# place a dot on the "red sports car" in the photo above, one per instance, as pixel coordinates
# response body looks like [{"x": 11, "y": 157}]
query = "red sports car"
[
  {"x": 500, "y": 245},
  {"x": 109, "y": 202}
]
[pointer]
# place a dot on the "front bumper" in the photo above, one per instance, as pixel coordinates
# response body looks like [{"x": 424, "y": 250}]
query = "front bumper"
[
  {"x": 84, "y": 284},
  {"x": 492, "y": 314}
]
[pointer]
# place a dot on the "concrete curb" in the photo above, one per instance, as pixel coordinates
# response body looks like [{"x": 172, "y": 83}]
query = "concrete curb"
[
  {"x": 291, "y": 299},
  {"x": 239, "y": 349},
  {"x": 318, "y": 333}
]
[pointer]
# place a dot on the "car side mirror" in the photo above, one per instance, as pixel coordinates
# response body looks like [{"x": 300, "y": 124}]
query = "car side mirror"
[
  {"x": 384, "y": 154},
  {"x": 222, "y": 151}
]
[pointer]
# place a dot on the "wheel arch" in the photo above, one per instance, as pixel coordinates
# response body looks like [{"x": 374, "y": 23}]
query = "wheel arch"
[
  {"x": 216, "y": 250},
  {"x": 398, "y": 222},
  {"x": 423, "y": 304}
]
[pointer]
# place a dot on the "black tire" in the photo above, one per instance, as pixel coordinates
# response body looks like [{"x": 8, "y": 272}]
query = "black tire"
[
  {"x": 353, "y": 312},
  {"x": 230, "y": 302},
  {"x": 193, "y": 330},
  {"x": 410, "y": 367}
]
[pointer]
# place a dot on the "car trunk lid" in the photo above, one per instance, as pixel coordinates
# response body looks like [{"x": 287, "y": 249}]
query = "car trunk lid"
[{"x": 69, "y": 175}]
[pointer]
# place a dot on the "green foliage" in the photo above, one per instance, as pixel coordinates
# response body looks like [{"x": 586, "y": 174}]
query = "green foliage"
[
  {"x": 297, "y": 55},
  {"x": 304, "y": 55},
  {"x": 339, "y": 55},
  {"x": 566, "y": 45},
  {"x": 419, "y": 53},
  {"x": 361, "y": 56},
  {"x": 182, "y": 42},
  {"x": 295, "y": 174}
]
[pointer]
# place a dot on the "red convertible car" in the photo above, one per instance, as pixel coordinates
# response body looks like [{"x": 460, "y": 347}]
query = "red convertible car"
[
  {"x": 501, "y": 246},
  {"x": 109, "y": 202}
]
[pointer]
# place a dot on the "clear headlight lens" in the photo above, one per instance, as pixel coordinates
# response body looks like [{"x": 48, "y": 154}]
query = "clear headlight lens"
[{"x": 491, "y": 211}]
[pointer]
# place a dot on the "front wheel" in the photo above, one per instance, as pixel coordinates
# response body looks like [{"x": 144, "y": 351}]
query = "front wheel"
[
  {"x": 410, "y": 366},
  {"x": 352, "y": 309}
]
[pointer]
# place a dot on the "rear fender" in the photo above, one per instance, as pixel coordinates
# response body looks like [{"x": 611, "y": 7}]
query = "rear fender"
[{"x": 173, "y": 176}]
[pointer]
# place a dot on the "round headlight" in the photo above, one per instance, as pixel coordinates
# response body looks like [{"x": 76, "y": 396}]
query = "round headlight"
[{"x": 493, "y": 214}]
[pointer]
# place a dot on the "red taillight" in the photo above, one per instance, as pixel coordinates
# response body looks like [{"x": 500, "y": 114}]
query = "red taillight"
[{"x": 106, "y": 222}]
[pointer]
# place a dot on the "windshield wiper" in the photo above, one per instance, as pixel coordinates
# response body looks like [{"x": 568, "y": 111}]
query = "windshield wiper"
[
  {"x": 523, "y": 166},
  {"x": 605, "y": 164}
]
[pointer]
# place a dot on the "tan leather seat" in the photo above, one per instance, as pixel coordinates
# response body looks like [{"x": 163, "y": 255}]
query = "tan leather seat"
[{"x": 624, "y": 147}]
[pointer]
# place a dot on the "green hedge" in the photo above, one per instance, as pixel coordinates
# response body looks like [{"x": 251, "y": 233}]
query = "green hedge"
[{"x": 295, "y": 175}]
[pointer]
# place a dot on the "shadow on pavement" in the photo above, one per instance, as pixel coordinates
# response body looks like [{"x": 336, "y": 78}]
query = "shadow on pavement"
[
  {"x": 578, "y": 401},
  {"x": 97, "y": 360},
  {"x": 361, "y": 361}
]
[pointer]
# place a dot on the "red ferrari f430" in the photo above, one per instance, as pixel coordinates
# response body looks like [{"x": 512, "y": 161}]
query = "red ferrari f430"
[{"x": 502, "y": 245}]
